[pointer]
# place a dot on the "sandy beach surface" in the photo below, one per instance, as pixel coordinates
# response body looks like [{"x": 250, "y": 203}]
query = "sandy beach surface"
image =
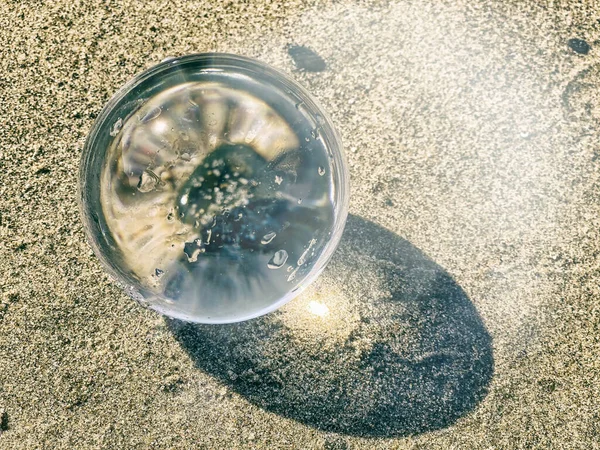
[{"x": 463, "y": 304}]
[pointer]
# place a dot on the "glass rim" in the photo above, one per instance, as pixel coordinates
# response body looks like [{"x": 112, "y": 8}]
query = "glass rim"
[{"x": 221, "y": 62}]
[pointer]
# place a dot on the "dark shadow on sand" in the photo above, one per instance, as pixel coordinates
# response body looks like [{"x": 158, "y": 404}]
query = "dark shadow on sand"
[{"x": 417, "y": 356}]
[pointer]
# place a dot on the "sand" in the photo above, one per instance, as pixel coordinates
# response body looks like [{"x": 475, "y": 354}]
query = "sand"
[{"x": 462, "y": 308}]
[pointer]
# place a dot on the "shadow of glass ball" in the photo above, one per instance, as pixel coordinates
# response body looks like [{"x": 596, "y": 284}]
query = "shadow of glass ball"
[{"x": 384, "y": 344}]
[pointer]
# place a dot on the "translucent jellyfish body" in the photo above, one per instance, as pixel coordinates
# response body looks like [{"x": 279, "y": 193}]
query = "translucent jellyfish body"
[{"x": 213, "y": 188}]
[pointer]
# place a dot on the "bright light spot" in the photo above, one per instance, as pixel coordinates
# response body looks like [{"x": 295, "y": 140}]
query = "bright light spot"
[
  {"x": 184, "y": 199},
  {"x": 160, "y": 126},
  {"x": 318, "y": 309}
]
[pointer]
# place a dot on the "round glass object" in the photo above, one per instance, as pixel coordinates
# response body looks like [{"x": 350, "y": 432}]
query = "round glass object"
[{"x": 213, "y": 188}]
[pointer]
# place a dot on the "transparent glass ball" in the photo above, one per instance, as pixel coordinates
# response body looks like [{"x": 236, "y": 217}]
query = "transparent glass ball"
[{"x": 213, "y": 188}]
